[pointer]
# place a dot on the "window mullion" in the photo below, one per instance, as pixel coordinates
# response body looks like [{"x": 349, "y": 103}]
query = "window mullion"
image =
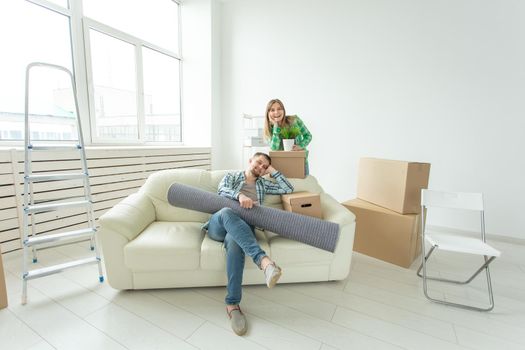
[
  {"x": 140, "y": 94},
  {"x": 79, "y": 67},
  {"x": 89, "y": 84}
]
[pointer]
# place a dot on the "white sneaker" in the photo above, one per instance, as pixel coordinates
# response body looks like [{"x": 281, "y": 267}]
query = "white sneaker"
[{"x": 272, "y": 273}]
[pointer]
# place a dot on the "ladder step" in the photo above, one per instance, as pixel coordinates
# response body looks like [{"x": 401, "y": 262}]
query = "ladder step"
[
  {"x": 49, "y": 270},
  {"x": 37, "y": 208},
  {"x": 55, "y": 177},
  {"x": 54, "y": 237},
  {"x": 57, "y": 147}
]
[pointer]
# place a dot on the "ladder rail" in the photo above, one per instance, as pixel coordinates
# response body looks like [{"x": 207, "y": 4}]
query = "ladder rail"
[{"x": 30, "y": 238}]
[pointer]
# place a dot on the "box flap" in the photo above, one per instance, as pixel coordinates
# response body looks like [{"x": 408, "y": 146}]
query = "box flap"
[
  {"x": 360, "y": 203},
  {"x": 288, "y": 154},
  {"x": 302, "y": 194}
]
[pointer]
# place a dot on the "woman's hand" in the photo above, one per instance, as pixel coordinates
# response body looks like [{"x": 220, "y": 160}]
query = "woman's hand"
[
  {"x": 297, "y": 148},
  {"x": 275, "y": 123}
]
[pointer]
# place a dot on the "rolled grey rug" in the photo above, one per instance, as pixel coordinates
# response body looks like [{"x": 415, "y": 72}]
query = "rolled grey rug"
[{"x": 313, "y": 231}]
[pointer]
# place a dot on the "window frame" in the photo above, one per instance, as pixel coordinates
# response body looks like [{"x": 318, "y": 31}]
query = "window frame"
[
  {"x": 139, "y": 44},
  {"x": 86, "y": 25}
]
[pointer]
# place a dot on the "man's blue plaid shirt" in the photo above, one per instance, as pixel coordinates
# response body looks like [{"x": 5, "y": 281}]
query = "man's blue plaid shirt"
[{"x": 231, "y": 185}]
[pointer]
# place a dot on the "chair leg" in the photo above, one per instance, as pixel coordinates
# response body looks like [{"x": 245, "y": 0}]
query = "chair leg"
[
  {"x": 487, "y": 262},
  {"x": 425, "y": 260},
  {"x": 489, "y": 284},
  {"x": 464, "y": 306}
]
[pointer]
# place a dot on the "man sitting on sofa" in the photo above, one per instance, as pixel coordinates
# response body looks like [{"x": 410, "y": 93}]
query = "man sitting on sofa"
[{"x": 249, "y": 188}]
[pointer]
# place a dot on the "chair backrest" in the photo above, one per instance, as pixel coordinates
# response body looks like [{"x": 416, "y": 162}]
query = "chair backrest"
[{"x": 453, "y": 200}]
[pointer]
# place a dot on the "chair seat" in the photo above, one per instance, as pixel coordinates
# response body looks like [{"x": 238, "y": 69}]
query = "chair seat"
[
  {"x": 452, "y": 242},
  {"x": 461, "y": 244}
]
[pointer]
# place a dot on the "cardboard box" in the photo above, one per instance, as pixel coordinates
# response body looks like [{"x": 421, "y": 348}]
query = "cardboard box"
[
  {"x": 392, "y": 184},
  {"x": 290, "y": 163},
  {"x": 305, "y": 203},
  {"x": 385, "y": 234},
  {"x": 3, "y": 289}
]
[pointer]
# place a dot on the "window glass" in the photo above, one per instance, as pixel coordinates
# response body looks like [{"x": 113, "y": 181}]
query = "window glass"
[
  {"x": 155, "y": 21},
  {"x": 51, "y": 107},
  {"x": 44, "y": 36},
  {"x": 35, "y": 33},
  {"x": 161, "y": 96},
  {"x": 115, "y": 92}
]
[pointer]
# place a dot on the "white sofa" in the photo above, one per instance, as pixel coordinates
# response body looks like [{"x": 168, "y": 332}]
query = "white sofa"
[{"x": 147, "y": 243}]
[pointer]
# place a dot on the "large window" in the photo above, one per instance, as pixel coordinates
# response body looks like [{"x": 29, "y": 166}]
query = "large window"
[
  {"x": 161, "y": 108},
  {"x": 114, "y": 87},
  {"x": 33, "y": 33},
  {"x": 125, "y": 56}
]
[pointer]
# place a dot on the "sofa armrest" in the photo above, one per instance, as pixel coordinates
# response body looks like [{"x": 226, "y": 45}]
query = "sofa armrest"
[
  {"x": 118, "y": 226},
  {"x": 129, "y": 217},
  {"x": 335, "y": 212}
]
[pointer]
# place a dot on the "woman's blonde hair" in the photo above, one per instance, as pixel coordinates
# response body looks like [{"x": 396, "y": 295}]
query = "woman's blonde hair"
[{"x": 287, "y": 120}]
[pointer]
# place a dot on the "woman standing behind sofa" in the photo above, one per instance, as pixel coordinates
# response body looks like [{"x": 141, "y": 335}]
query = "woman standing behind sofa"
[{"x": 279, "y": 126}]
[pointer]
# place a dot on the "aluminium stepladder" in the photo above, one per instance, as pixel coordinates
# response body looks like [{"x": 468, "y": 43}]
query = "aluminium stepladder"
[{"x": 32, "y": 207}]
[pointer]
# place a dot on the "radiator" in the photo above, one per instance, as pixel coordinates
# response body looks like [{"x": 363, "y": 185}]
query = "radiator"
[{"x": 114, "y": 172}]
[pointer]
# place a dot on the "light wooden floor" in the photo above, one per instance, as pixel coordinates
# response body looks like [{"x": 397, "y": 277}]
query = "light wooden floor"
[{"x": 379, "y": 306}]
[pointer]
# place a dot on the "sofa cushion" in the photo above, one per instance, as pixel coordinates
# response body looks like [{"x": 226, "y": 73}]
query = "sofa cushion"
[
  {"x": 213, "y": 254},
  {"x": 157, "y": 185},
  {"x": 216, "y": 177},
  {"x": 165, "y": 246},
  {"x": 308, "y": 184}
]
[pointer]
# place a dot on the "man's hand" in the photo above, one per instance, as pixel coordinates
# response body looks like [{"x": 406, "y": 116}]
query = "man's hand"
[
  {"x": 245, "y": 201},
  {"x": 270, "y": 170}
]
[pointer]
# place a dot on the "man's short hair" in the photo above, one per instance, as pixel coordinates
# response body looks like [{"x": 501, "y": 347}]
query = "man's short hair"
[{"x": 264, "y": 155}]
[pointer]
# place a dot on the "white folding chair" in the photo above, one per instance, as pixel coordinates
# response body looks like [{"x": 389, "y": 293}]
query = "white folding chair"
[{"x": 455, "y": 243}]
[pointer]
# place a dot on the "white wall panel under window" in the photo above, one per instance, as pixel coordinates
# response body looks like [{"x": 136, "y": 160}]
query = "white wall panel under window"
[{"x": 114, "y": 174}]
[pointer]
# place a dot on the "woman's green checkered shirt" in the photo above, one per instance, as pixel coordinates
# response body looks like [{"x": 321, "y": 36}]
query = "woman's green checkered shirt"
[{"x": 302, "y": 140}]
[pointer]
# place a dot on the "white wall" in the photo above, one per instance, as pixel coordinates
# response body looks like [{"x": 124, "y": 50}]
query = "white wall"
[
  {"x": 201, "y": 72},
  {"x": 196, "y": 28},
  {"x": 433, "y": 81}
]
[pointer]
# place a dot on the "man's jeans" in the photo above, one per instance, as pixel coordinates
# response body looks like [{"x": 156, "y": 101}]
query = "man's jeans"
[{"x": 239, "y": 239}]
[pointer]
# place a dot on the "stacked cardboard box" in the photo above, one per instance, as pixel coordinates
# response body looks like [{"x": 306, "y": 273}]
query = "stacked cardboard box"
[
  {"x": 304, "y": 203},
  {"x": 388, "y": 209},
  {"x": 290, "y": 163}
]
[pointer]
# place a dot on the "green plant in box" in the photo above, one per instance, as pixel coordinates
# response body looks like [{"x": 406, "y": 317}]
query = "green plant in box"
[{"x": 290, "y": 132}]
